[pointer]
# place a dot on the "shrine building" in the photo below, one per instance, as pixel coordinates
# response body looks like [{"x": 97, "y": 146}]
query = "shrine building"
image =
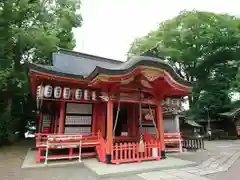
[{"x": 118, "y": 112}]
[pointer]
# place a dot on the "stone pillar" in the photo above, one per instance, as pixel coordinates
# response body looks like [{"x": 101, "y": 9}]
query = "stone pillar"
[{"x": 177, "y": 123}]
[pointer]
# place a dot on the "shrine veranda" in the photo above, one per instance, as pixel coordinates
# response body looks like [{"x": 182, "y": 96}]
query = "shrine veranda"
[{"x": 116, "y": 111}]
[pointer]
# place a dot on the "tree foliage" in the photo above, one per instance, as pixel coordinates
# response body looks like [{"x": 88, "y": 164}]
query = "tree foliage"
[
  {"x": 203, "y": 47},
  {"x": 30, "y": 30}
]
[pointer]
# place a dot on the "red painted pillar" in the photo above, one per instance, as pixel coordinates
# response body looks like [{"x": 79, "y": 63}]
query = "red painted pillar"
[
  {"x": 161, "y": 129},
  {"x": 40, "y": 122},
  {"x": 95, "y": 117},
  {"x": 109, "y": 130},
  {"x": 61, "y": 118},
  {"x": 103, "y": 122},
  {"x": 136, "y": 115},
  {"x": 56, "y": 123}
]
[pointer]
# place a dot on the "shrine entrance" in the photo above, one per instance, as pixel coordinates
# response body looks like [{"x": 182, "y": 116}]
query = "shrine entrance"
[
  {"x": 121, "y": 101},
  {"x": 122, "y": 120}
]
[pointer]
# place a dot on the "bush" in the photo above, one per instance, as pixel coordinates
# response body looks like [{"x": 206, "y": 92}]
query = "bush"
[{"x": 8, "y": 127}]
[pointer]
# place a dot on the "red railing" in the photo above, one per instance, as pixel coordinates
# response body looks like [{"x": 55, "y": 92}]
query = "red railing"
[
  {"x": 65, "y": 141},
  {"x": 130, "y": 152}
]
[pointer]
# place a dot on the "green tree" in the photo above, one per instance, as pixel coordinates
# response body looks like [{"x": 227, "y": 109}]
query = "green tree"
[
  {"x": 200, "y": 46},
  {"x": 30, "y": 30}
]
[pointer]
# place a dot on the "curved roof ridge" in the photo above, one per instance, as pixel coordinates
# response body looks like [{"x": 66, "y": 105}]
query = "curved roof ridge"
[
  {"x": 122, "y": 69},
  {"x": 90, "y": 56}
]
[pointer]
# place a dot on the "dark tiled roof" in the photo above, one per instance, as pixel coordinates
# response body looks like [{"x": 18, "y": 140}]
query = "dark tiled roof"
[{"x": 78, "y": 65}]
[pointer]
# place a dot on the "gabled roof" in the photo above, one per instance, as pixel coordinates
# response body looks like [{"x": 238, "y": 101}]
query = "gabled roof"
[
  {"x": 84, "y": 66},
  {"x": 193, "y": 123},
  {"x": 234, "y": 110}
]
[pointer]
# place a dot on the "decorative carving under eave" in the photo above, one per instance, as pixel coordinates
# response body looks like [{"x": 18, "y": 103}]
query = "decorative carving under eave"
[
  {"x": 127, "y": 81},
  {"x": 151, "y": 75},
  {"x": 104, "y": 96},
  {"x": 146, "y": 84}
]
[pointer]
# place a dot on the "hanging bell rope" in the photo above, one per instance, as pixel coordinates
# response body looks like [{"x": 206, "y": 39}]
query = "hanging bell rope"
[
  {"x": 116, "y": 119},
  {"x": 154, "y": 123}
]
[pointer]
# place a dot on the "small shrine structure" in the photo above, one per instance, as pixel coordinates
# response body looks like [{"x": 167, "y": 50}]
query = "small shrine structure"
[{"x": 117, "y": 111}]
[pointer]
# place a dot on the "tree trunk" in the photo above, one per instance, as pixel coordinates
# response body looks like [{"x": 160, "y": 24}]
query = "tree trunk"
[
  {"x": 17, "y": 57},
  {"x": 9, "y": 105}
]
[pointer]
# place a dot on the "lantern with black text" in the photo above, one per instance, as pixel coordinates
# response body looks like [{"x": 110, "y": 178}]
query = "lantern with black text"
[
  {"x": 66, "y": 93},
  {"x": 39, "y": 92},
  {"x": 39, "y": 96},
  {"x": 78, "y": 94},
  {"x": 86, "y": 94},
  {"x": 57, "y": 92},
  {"x": 48, "y": 91}
]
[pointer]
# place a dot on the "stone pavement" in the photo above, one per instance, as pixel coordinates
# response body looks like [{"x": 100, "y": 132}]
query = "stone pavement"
[
  {"x": 219, "y": 162},
  {"x": 226, "y": 155}
]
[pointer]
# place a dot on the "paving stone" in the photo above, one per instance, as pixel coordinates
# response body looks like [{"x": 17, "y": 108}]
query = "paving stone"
[
  {"x": 199, "y": 178},
  {"x": 192, "y": 170},
  {"x": 184, "y": 175},
  {"x": 156, "y": 175},
  {"x": 220, "y": 161}
]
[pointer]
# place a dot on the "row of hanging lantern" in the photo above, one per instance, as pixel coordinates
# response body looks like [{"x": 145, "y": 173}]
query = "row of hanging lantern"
[{"x": 66, "y": 93}]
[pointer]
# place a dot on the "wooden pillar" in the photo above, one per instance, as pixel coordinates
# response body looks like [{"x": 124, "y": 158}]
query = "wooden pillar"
[
  {"x": 95, "y": 117},
  {"x": 40, "y": 122},
  {"x": 109, "y": 130},
  {"x": 61, "y": 118},
  {"x": 136, "y": 112},
  {"x": 161, "y": 130},
  {"x": 130, "y": 121},
  {"x": 56, "y": 123},
  {"x": 101, "y": 119}
]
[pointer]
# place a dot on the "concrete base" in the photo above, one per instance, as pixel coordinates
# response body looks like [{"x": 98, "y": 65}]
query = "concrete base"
[{"x": 110, "y": 170}]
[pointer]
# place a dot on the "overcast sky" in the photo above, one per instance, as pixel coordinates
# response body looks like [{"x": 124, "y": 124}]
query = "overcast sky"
[{"x": 109, "y": 26}]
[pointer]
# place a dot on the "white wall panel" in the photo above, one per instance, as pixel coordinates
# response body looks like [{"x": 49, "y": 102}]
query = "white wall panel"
[{"x": 79, "y": 108}]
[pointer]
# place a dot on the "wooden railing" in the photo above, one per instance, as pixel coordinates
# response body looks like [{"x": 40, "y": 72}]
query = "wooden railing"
[
  {"x": 173, "y": 142},
  {"x": 46, "y": 142},
  {"x": 130, "y": 152},
  {"x": 193, "y": 143}
]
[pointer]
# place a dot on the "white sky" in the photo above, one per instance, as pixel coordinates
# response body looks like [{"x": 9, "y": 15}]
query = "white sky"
[{"x": 109, "y": 26}]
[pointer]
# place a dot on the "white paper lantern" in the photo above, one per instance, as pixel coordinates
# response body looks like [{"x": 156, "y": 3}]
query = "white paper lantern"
[
  {"x": 94, "y": 96},
  {"x": 78, "y": 94},
  {"x": 86, "y": 94},
  {"x": 48, "y": 91},
  {"x": 57, "y": 92},
  {"x": 40, "y": 91},
  {"x": 66, "y": 93}
]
